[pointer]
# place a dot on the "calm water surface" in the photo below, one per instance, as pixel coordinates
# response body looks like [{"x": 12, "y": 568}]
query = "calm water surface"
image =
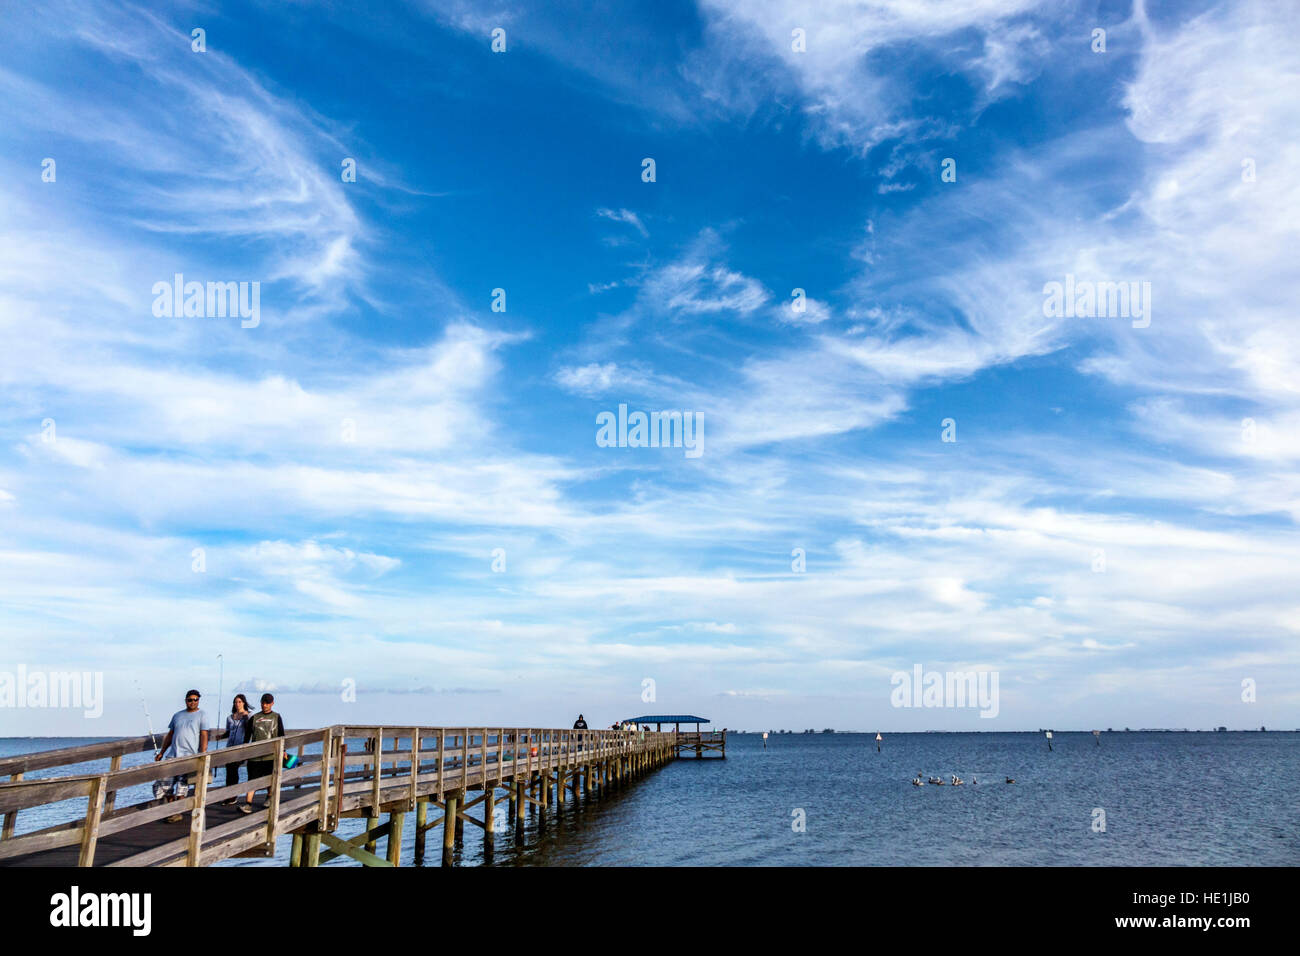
[{"x": 1169, "y": 799}]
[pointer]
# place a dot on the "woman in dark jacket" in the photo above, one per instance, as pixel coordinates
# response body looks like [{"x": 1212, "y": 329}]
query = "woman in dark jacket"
[{"x": 237, "y": 733}]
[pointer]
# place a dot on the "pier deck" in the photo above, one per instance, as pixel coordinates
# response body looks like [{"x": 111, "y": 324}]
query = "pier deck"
[{"x": 342, "y": 771}]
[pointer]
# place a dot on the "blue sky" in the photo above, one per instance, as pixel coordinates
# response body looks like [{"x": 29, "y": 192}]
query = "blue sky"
[{"x": 371, "y": 560}]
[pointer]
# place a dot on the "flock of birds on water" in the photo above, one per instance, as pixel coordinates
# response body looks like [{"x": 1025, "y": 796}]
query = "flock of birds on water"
[{"x": 956, "y": 781}]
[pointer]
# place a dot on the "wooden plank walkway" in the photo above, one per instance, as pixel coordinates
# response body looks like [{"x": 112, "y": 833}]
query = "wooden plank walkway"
[{"x": 342, "y": 771}]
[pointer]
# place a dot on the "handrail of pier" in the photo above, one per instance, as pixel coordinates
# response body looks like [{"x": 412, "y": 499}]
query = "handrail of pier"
[
  {"x": 102, "y": 818},
  {"x": 83, "y": 753}
]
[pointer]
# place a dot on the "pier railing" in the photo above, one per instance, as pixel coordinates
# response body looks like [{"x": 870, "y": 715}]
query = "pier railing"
[
  {"x": 102, "y": 817},
  {"x": 339, "y": 769},
  {"x": 701, "y": 742}
]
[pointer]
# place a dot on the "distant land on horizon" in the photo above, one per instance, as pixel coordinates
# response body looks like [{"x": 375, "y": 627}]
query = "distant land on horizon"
[
  {"x": 883, "y": 733},
  {"x": 1041, "y": 730}
]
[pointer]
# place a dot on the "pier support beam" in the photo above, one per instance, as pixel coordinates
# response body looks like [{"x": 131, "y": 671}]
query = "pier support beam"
[
  {"x": 311, "y": 850},
  {"x": 350, "y": 848},
  {"x": 421, "y": 828},
  {"x": 395, "y": 821},
  {"x": 449, "y": 828},
  {"x": 371, "y": 817}
]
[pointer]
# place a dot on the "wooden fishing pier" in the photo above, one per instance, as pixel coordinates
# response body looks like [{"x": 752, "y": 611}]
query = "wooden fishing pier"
[{"x": 436, "y": 775}]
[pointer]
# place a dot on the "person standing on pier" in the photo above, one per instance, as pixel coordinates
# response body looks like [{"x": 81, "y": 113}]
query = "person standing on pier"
[
  {"x": 187, "y": 736},
  {"x": 580, "y": 724},
  {"x": 236, "y": 734},
  {"x": 266, "y": 725}
]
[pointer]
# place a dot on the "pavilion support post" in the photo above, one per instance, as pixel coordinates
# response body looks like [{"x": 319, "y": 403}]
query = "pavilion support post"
[
  {"x": 460, "y": 821},
  {"x": 519, "y": 801},
  {"x": 295, "y": 851}
]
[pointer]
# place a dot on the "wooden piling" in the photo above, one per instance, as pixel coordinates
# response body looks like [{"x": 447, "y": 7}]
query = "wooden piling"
[
  {"x": 449, "y": 828},
  {"x": 371, "y": 816},
  {"x": 311, "y": 850},
  {"x": 421, "y": 828},
  {"x": 395, "y": 821}
]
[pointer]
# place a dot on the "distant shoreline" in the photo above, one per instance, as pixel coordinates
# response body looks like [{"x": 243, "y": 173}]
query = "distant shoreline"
[
  {"x": 850, "y": 733},
  {"x": 901, "y": 733}
]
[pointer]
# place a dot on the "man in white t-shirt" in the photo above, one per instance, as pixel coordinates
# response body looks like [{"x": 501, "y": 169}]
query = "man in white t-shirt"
[{"x": 187, "y": 736}]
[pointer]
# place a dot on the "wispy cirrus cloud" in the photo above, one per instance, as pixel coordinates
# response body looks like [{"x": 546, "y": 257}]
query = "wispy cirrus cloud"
[{"x": 392, "y": 483}]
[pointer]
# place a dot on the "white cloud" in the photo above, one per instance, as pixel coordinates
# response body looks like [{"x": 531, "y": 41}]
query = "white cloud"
[
  {"x": 625, "y": 216},
  {"x": 592, "y": 379},
  {"x": 699, "y": 288},
  {"x": 847, "y": 98}
]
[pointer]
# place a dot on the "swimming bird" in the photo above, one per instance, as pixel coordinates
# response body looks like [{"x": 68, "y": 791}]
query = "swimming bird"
[
  {"x": 917, "y": 782},
  {"x": 974, "y": 781},
  {"x": 957, "y": 781},
  {"x": 1011, "y": 780}
]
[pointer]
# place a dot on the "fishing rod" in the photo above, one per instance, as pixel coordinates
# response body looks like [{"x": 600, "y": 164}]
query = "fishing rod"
[{"x": 159, "y": 788}]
